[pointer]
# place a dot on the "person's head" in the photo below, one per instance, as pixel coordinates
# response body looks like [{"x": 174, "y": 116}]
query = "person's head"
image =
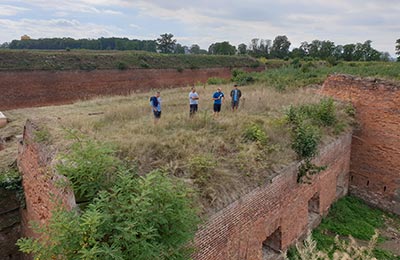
[
  {"x": 236, "y": 86},
  {"x": 193, "y": 89},
  {"x": 158, "y": 94},
  {"x": 219, "y": 89}
]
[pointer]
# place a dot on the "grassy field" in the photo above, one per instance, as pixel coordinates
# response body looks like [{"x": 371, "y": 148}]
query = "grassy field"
[
  {"x": 91, "y": 60},
  {"x": 215, "y": 156}
]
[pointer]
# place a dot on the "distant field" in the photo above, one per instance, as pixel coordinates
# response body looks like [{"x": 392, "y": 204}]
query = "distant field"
[{"x": 91, "y": 60}]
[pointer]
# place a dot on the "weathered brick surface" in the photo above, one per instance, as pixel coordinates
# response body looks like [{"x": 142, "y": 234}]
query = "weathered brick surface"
[
  {"x": 375, "y": 155},
  {"x": 238, "y": 231},
  {"x": 42, "y": 193},
  {"x": 42, "y": 88}
]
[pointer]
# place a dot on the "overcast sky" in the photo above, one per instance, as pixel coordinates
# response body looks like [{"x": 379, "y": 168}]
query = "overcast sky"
[{"x": 205, "y": 21}]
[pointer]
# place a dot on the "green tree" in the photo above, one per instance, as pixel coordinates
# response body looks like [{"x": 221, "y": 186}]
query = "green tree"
[
  {"x": 195, "y": 49},
  {"x": 348, "y": 52},
  {"x": 222, "y": 48},
  {"x": 242, "y": 48},
  {"x": 280, "y": 47},
  {"x": 179, "y": 49},
  {"x": 165, "y": 44}
]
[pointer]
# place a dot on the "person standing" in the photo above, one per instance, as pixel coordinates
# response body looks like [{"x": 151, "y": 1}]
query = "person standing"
[
  {"x": 193, "y": 102},
  {"x": 218, "y": 98},
  {"x": 155, "y": 103},
  {"x": 236, "y": 94}
]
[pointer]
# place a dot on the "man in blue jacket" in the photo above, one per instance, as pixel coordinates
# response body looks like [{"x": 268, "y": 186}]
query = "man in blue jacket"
[
  {"x": 155, "y": 103},
  {"x": 218, "y": 98}
]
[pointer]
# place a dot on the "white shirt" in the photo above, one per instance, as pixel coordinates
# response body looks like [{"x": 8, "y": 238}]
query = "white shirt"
[{"x": 193, "y": 101}]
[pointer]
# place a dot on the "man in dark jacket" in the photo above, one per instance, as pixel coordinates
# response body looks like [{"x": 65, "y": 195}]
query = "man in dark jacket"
[{"x": 236, "y": 94}]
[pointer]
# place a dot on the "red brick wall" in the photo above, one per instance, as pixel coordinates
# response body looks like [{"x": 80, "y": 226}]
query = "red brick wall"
[
  {"x": 41, "y": 88},
  {"x": 375, "y": 155},
  {"x": 238, "y": 231},
  {"x": 39, "y": 181}
]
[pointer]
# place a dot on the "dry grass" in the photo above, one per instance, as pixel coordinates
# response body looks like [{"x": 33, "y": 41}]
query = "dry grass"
[{"x": 180, "y": 145}]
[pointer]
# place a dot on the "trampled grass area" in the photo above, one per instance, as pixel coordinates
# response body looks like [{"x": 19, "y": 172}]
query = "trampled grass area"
[
  {"x": 220, "y": 158},
  {"x": 91, "y": 60}
]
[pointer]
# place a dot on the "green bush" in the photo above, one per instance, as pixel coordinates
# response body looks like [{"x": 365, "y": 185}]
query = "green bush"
[
  {"x": 241, "y": 77},
  {"x": 122, "y": 66},
  {"x": 10, "y": 179},
  {"x": 255, "y": 133},
  {"x": 90, "y": 167},
  {"x": 325, "y": 112},
  {"x": 216, "y": 81},
  {"x": 306, "y": 138},
  {"x": 139, "y": 218}
]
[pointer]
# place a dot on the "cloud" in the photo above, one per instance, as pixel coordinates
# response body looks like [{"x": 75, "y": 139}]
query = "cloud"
[
  {"x": 10, "y": 10},
  {"x": 205, "y": 21},
  {"x": 54, "y": 28}
]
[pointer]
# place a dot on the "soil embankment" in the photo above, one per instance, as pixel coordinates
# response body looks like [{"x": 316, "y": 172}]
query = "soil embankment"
[{"x": 21, "y": 89}]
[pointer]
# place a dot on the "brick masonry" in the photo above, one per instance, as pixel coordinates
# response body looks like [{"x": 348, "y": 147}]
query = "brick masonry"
[
  {"x": 42, "y": 194},
  {"x": 375, "y": 154},
  {"x": 19, "y": 89},
  {"x": 282, "y": 205}
]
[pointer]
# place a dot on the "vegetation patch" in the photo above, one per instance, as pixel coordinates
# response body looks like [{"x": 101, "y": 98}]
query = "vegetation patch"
[
  {"x": 350, "y": 216},
  {"x": 128, "y": 217},
  {"x": 306, "y": 122},
  {"x": 121, "y": 60}
]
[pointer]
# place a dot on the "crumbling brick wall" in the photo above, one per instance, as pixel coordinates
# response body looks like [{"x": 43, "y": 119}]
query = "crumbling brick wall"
[
  {"x": 282, "y": 206},
  {"x": 21, "y": 89},
  {"x": 375, "y": 155},
  {"x": 41, "y": 184}
]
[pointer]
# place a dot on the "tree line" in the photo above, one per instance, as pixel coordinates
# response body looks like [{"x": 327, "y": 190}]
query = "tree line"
[{"x": 279, "y": 48}]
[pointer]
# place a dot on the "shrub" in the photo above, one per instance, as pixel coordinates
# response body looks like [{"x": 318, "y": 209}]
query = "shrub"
[
  {"x": 89, "y": 166},
  {"x": 255, "y": 133},
  {"x": 325, "y": 112},
  {"x": 122, "y": 66},
  {"x": 10, "y": 179},
  {"x": 241, "y": 77},
  {"x": 216, "y": 81},
  {"x": 306, "y": 138},
  {"x": 139, "y": 218}
]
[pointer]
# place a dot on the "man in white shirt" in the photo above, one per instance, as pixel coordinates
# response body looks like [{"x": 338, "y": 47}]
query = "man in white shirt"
[{"x": 193, "y": 101}]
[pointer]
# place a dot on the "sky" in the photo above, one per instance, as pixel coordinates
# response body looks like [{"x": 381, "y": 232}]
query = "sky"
[{"x": 204, "y": 22}]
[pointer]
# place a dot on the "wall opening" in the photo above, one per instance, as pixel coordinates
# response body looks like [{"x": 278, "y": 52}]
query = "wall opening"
[
  {"x": 367, "y": 183},
  {"x": 313, "y": 211},
  {"x": 340, "y": 185},
  {"x": 272, "y": 245}
]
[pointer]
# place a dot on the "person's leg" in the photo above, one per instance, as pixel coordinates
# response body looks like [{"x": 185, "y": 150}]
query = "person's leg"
[
  {"x": 215, "y": 110},
  {"x": 191, "y": 111}
]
